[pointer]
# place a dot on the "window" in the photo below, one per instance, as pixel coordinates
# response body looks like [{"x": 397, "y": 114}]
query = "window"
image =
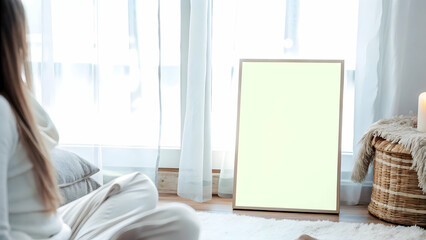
[
  {"x": 97, "y": 52},
  {"x": 97, "y": 96}
]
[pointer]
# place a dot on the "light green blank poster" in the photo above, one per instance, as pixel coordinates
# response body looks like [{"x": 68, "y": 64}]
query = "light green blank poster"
[{"x": 289, "y": 135}]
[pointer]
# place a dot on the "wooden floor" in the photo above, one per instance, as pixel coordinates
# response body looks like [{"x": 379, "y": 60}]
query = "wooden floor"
[{"x": 357, "y": 214}]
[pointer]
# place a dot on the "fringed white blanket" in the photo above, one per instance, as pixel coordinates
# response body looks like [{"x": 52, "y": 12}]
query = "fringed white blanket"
[{"x": 399, "y": 130}]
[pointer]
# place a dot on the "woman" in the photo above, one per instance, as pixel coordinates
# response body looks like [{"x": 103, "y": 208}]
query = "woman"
[{"x": 29, "y": 198}]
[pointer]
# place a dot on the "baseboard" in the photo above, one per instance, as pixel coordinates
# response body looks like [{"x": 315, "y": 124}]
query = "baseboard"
[{"x": 168, "y": 179}]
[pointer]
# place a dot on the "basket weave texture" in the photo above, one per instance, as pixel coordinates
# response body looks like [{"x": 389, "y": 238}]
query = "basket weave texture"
[{"x": 396, "y": 196}]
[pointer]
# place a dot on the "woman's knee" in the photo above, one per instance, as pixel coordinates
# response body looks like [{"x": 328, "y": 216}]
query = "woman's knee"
[
  {"x": 141, "y": 190},
  {"x": 186, "y": 220},
  {"x": 137, "y": 180}
]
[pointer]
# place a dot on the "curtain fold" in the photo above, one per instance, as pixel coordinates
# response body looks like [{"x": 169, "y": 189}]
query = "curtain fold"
[
  {"x": 47, "y": 67},
  {"x": 225, "y": 91},
  {"x": 195, "y": 168},
  {"x": 391, "y": 55}
]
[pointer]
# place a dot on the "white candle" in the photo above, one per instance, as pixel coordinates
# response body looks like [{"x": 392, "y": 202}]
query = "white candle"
[{"x": 421, "y": 115}]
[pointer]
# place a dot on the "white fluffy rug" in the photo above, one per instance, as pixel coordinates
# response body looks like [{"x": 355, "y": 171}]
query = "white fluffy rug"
[{"x": 231, "y": 226}]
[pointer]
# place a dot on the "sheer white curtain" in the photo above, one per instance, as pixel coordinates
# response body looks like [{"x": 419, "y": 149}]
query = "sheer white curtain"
[
  {"x": 96, "y": 65},
  {"x": 195, "y": 169},
  {"x": 391, "y": 57}
]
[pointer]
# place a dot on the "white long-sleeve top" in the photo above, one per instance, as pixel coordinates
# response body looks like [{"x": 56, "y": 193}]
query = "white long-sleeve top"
[{"x": 22, "y": 213}]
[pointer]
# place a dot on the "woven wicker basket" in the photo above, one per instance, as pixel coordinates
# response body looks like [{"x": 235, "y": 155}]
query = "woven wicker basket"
[{"x": 396, "y": 196}]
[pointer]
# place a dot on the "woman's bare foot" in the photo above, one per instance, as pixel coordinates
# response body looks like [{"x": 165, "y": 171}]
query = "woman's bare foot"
[{"x": 306, "y": 237}]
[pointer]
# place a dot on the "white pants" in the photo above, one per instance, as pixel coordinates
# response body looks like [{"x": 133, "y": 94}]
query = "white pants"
[{"x": 125, "y": 208}]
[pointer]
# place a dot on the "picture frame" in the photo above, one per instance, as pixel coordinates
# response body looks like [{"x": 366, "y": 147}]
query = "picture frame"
[{"x": 288, "y": 142}]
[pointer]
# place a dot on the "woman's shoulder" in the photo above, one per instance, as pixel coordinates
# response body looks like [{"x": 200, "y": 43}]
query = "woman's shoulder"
[
  {"x": 5, "y": 110},
  {"x": 8, "y": 130},
  {"x": 7, "y": 118}
]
